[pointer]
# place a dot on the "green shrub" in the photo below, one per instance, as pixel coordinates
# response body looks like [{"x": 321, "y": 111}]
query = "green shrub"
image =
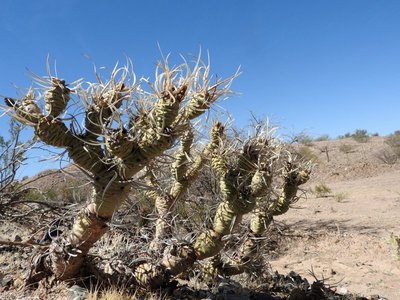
[
  {"x": 346, "y": 135},
  {"x": 339, "y": 197},
  {"x": 307, "y": 154},
  {"x": 393, "y": 141},
  {"x": 361, "y": 136},
  {"x": 346, "y": 148},
  {"x": 304, "y": 139},
  {"x": 324, "y": 137},
  {"x": 35, "y": 195},
  {"x": 322, "y": 190},
  {"x": 387, "y": 156}
]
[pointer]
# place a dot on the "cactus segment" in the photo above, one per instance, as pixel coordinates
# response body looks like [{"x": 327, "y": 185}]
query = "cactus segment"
[
  {"x": 208, "y": 244},
  {"x": 56, "y": 97},
  {"x": 167, "y": 107},
  {"x": 26, "y": 110},
  {"x": 197, "y": 105}
]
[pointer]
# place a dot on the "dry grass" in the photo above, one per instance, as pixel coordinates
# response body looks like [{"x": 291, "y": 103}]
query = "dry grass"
[
  {"x": 339, "y": 197},
  {"x": 395, "y": 239},
  {"x": 322, "y": 190}
]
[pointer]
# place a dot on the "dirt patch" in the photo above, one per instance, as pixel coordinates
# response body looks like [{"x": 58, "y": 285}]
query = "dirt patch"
[{"x": 348, "y": 242}]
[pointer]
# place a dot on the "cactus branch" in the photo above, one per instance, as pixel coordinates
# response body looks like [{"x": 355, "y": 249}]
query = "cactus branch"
[
  {"x": 182, "y": 179},
  {"x": 293, "y": 177}
]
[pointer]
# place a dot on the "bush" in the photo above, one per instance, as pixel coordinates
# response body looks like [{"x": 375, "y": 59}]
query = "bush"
[
  {"x": 346, "y": 148},
  {"x": 346, "y": 135},
  {"x": 35, "y": 195},
  {"x": 395, "y": 239},
  {"x": 304, "y": 139},
  {"x": 307, "y": 154},
  {"x": 339, "y": 197},
  {"x": 324, "y": 137},
  {"x": 12, "y": 155},
  {"x": 387, "y": 156},
  {"x": 393, "y": 141},
  {"x": 322, "y": 190},
  {"x": 361, "y": 136}
]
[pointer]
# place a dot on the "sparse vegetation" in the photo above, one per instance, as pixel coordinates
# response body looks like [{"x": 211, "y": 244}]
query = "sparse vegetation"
[
  {"x": 393, "y": 141},
  {"x": 339, "y": 197},
  {"x": 12, "y": 155},
  {"x": 307, "y": 154},
  {"x": 346, "y": 148},
  {"x": 304, "y": 139},
  {"x": 391, "y": 154},
  {"x": 344, "y": 136},
  {"x": 387, "y": 156},
  {"x": 361, "y": 136},
  {"x": 35, "y": 195},
  {"x": 322, "y": 190},
  {"x": 395, "y": 239},
  {"x": 321, "y": 138}
]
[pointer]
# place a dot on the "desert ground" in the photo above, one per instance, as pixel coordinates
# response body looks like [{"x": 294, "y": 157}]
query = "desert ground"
[
  {"x": 345, "y": 235},
  {"x": 348, "y": 235}
]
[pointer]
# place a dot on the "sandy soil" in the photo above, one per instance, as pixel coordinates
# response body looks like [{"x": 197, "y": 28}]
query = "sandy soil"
[{"x": 348, "y": 241}]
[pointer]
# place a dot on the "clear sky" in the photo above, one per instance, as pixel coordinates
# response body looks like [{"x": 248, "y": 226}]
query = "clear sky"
[{"x": 327, "y": 67}]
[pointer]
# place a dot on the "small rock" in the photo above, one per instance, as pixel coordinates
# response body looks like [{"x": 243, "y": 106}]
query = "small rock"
[
  {"x": 76, "y": 292},
  {"x": 18, "y": 282},
  {"x": 17, "y": 238},
  {"x": 7, "y": 281},
  {"x": 342, "y": 291}
]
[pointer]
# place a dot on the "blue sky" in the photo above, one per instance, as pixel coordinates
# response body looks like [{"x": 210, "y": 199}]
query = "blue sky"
[{"x": 327, "y": 67}]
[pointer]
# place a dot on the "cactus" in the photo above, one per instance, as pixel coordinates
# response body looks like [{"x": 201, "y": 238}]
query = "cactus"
[
  {"x": 125, "y": 129},
  {"x": 245, "y": 178},
  {"x": 126, "y": 151},
  {"x": 294, "y": 175},
  {"x": 183, "y": 177}
]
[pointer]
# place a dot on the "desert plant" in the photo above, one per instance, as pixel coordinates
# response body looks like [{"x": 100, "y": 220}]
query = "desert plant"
[
  {"x": 361, "y": 136},
  {"x": 344, "y": 136},
  {"x": 307, "y": 154},
  {"x": 393, "y": 141},
  {"x": 339, "y": 197},
  {"x": 35, "y": 195},
  {"x": 126, "y": 131},
  {"x": 321, "y": 138},
  {"x": 387, "y": 156},
  {"x": 322, "y": 190},
  {"x": 395, "y": 239},
  {"x": 12, "y": 155},
  {"x": 346, "y": 148},
  {"x": 304, "y": 139}
]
